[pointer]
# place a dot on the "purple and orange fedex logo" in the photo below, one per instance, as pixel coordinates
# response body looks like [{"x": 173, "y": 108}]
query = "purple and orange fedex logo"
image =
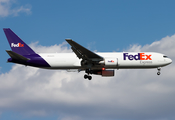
[
  {"x": 111, "y": 61},
  {"x": 139, "y": 56},
  {"x": 17, "y": 45}
]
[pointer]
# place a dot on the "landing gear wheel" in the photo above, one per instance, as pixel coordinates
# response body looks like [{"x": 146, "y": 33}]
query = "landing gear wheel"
[
  {"x": 159, "y": 69},
  {"x": 86, "y": 76},
  {"x": 88, "y": 71},
  {"x": 89, "y": 77},
  {"x": 158, "y": 73}
]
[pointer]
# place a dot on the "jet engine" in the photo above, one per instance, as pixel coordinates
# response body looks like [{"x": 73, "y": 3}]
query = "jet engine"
[{"x": 109, "y": 62}]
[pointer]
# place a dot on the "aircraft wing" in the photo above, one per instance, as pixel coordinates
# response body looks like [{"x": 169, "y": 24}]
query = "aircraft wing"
[{"x": 82, "y": 52}]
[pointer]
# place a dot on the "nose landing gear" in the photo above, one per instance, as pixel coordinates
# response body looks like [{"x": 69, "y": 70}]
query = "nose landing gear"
[{"x": 159, "y": 68}]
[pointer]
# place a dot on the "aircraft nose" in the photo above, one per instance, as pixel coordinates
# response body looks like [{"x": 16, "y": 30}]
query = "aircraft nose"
[{"x": 169, "y": 61}]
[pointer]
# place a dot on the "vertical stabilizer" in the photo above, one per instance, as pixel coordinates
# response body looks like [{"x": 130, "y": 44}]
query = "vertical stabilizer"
[{"x": 16, "y": 44}]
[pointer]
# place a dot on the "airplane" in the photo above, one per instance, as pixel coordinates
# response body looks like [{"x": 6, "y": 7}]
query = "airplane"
[{"x": 82, "y": 59}]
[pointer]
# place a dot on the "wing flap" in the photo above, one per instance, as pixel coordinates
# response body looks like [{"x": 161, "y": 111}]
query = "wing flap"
[
  {"x": 16, "y": 56},
  {"x": 82, "y": 52}
]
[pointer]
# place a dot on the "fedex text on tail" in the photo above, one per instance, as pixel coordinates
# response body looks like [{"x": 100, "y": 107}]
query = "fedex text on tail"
[{"x": 17, "y": 45}]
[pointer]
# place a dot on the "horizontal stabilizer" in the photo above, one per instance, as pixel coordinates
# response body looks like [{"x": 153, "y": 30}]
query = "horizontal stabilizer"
[{"x": 16, "y": 56}]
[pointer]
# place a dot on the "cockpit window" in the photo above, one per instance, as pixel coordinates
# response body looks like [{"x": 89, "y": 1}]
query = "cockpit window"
[{"x": 165, "y": 56}]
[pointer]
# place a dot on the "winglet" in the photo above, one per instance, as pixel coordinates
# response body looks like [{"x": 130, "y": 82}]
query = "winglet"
[{"x": 16, "y": 44}]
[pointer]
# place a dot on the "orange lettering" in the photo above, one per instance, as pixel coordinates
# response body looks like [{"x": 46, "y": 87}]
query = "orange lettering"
[
  {"x": 148, "y": 57},
  {"x": 142, "y": 56}
]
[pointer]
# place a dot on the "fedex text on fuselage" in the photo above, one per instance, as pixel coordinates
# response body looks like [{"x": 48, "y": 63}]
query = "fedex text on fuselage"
[{"x": 139, "y": 56}]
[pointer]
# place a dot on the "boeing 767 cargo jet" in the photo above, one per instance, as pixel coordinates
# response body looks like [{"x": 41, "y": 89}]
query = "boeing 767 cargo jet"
[{"x": 83, "y": 59}]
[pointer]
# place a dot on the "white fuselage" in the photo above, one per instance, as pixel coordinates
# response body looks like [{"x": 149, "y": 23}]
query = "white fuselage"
[
  {"x": 114, "y": 60},
  {"x": 82, "y": 58}
]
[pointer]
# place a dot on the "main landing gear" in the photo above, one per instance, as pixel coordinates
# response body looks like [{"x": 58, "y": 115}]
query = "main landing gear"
[
  {"x": 88, "y": 71},
  {"x": 87, "y": 76},
  {"x": 159, "y": 68}
]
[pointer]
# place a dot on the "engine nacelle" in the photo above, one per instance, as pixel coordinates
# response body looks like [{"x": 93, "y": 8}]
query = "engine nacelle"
[
  {"x": 103, "y": 72},
  {"x": 110, "y": 62}
]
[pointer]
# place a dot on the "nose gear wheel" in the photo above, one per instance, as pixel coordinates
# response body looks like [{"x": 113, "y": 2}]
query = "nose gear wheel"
[{"x": 159, "y": 68}]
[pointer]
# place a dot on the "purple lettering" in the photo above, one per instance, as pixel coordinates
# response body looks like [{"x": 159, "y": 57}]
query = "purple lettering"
[
  {"x": 137, "y": 57},
  {"x": 130, "y": 57},
  {"x": 125, "y": 55}
]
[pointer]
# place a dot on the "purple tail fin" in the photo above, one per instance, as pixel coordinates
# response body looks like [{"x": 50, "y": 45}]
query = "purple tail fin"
[{"x": 16, "y": 44}]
